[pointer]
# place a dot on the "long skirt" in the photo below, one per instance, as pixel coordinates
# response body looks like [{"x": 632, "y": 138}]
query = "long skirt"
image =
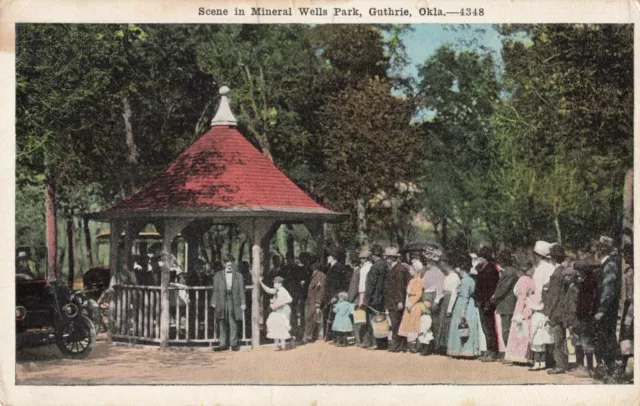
[
  {"x": 540, "y": 332},
  {"x": 279, "y": 324},
  {"x": 626, "y": 331},
  {"x": 410, "y": 324},
  {"x": 442, "y": 335},
  {"x": 469, "y": 346},
  {"x": 519, "y": 339}
]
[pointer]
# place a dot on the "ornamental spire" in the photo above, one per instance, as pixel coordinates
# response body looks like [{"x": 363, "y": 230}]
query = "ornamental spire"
[{"x": 224, "y": 116}]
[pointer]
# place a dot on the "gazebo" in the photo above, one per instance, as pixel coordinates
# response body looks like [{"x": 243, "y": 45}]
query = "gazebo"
[{"x": 220, "y": 179}]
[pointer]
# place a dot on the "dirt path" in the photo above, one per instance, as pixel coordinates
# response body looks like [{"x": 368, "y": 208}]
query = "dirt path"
[{"x": 310, "y": 364}]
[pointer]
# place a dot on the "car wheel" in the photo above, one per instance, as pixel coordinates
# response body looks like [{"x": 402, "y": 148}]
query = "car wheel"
[{"x": 76, "y": 337}]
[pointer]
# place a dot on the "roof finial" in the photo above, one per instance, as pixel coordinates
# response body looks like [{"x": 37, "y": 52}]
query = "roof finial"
[{"x": 224, "y": 116}]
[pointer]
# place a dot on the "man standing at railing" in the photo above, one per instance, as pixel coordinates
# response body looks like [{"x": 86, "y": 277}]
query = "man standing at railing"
[{"x": 228, "y": 302}]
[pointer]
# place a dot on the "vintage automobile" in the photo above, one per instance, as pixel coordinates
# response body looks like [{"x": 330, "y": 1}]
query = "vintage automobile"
[{"x": 49, "y": 312}]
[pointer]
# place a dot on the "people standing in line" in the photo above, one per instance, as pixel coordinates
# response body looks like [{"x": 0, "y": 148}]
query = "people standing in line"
[
  {"x": 626, "y": 325},
  {"x": 609, "y": 283},
  {"x": 342, "y": 324},
  {"x": 487, "y": 280},
  {"x": 374, "y": 294},
  {"x": 583, "y": 335},
  {"x": 465, "y": 342},
  {"x": 503, "y": 297},
  {"x": 433, "y": 284},
  {"x": 357, "y": 289},
  {"x": 279, "y": 320},
  {"x": 540, "y": 330},
  {"x": 395, "y": 286},
  {"x": 336, "y": 282},
  {"x": 410, "y": 324},
  {"x": 451, "y": 283},
  {"x": 520, "y": 333},
  {"x": 227, "y": 299}
]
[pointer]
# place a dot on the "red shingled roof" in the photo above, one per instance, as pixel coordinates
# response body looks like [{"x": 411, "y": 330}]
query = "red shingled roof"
[{"x": 221, "y": 170}]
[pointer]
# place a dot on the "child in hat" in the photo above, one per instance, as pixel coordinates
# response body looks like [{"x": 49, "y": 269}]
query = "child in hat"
[
  {"x": 342, "y": 324},
  {"x": 426, "y": 335},
  {"x": 279, "y": 321}
]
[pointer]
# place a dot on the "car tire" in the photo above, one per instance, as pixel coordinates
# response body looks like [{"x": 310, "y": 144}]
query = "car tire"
[{"x": 76, "y": 337}]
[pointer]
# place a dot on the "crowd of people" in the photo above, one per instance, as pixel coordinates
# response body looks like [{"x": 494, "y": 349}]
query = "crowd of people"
[{"x": 533, "y": 308}]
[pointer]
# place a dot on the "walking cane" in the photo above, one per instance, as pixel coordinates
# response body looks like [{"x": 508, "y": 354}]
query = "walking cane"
[{"x": 326, "y": 330}]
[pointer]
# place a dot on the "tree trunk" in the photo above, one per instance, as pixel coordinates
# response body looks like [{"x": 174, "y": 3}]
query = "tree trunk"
[
  {"x": 362, "y": 222},
  {"x": 230, "y": 237},
  {"x": 444, "y": 236},
  {"x": 131, "y": 145},
  {"x": 87, "y": 242},
  {"x": 50, "y": 218},
  {"x": 70, "y": 245},
  {"x": 556, "y": 223},
  {"x": 290, "y": 242}
]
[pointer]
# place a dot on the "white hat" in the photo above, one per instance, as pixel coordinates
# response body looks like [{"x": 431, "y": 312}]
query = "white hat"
[
  {"x": 473, "y": 271},
  {"x": 22, "y": 254},
  {"x": 391, "y": 252},
  {"x": 542, "y": 248}
]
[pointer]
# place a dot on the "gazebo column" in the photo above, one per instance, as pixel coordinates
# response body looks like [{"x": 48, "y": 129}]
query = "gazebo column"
[
  {"x": 258, "y": 229},
  {"x": 170, "y": 229},
  {"x": 131, "y": 230},
  {"x": 115, "y": 230}
]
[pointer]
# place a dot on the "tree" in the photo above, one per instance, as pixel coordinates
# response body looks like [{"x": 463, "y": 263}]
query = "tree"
[{"x": 368, "y": 146}]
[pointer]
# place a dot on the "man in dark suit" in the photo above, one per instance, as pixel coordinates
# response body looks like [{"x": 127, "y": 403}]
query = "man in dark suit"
[
  {"x": 557, "y": 356},
  {"x": 314, "y": 304},
  {"x": 228, "y": 302},
  {"x": 487, "y": 281},
  {"x": 609, "y": 283},
  {"x": 395, "y": 292},
  {"x": 336, "y": 282},
  {"x": 503, "y": 298},
  {"x": 374, "y": 295}
]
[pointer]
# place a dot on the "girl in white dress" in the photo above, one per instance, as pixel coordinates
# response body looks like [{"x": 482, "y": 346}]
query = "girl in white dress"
[{"x": 279, "y": 321}]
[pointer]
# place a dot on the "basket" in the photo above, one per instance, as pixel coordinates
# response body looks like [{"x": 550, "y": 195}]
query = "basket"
[
  {"x": 359, "y": 316},
  {"x": 380, "y": 326},
  {"x": 463, "y": 329}
]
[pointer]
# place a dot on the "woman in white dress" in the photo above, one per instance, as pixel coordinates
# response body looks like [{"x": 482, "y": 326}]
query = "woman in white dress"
[{"x": 279, "y": 321}]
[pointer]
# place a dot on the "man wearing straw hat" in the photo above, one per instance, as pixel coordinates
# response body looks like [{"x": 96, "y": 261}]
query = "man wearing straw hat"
[
  {"x": 357, "y": 289},
  {"x": 395, "y": 289},
  {"x": 228, "y": 302}
]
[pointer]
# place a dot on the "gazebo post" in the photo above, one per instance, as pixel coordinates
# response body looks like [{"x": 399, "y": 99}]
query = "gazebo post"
[
  {"x": 115, "y": 230},
  {"x": 170, "y": 229},
  {"x": 259, "y": 229}
]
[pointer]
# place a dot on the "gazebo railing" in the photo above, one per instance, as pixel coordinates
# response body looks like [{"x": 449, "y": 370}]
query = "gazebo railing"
[{"x": 192, "y": 320}]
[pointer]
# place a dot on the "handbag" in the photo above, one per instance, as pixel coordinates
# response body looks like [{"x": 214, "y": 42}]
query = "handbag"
[
  {"x": 359, "y": 316},
  {"x": 463, "y": 329}
]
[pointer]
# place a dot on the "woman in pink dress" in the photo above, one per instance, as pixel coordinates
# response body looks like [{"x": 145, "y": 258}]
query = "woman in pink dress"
[{"x": 519, "y": 335}]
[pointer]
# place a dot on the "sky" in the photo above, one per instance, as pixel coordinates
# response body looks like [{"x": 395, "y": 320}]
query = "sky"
[{"x": 425, "y": 39}]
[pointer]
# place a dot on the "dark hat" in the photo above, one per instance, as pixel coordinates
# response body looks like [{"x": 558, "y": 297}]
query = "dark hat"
[
  {"x": 505, "y": 257},
  {"x": 316, "y": 266},
  {"x": 584, "y": 265},
  {"x": 228, "y": 257},
  {"x": 486, "y": 252},
  {"x": 556, "y": 251},
  {"x": 377, "y": 250},
  {"x": 569, "y": 271}
]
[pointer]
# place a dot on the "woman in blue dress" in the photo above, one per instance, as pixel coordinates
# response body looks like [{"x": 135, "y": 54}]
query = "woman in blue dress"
[{"x": 465, "y": 308}]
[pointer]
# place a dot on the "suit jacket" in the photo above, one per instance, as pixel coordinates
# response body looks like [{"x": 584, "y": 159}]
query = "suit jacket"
[
  {"x": 374, "y": 285},
  {"x": 609, "y": 282},
  {"x": 565, "y": 311},
  {"x": 588, "y": 297},
  {"x": 315, "y": 294},
  {"x": 219, "y": 292},
  {"x": 503, "y": 297},
  {"x": 552, "y": 297},
  {"x": 336, "y": 281},
  {"x": 353, "y": 285},
  {"x": 395, "y": 286},
  {"x": 486, "y": 283}
]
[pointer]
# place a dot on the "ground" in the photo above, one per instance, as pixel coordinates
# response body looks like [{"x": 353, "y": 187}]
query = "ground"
[{"x": 309, "y": 364}]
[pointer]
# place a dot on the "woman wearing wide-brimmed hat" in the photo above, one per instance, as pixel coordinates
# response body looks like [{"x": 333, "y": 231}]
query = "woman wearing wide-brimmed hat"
[{"x": 278, "y": 323}]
